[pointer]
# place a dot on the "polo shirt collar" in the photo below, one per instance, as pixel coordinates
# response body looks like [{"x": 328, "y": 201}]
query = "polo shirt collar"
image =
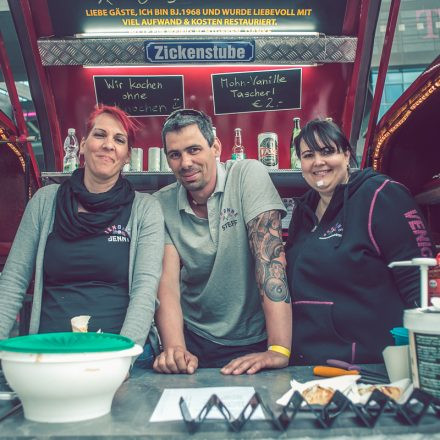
[{"x": 182, "y": 198}]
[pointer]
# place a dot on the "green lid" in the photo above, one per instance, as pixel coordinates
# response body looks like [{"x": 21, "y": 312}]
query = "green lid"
[{"x": 67, "y": 343}]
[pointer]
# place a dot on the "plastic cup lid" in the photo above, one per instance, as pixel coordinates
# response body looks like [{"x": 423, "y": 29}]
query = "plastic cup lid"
[
  {"x": 399, "y": 331},
  {"x": 422, "y": 320},
  {"x": 67, "y": 343}
]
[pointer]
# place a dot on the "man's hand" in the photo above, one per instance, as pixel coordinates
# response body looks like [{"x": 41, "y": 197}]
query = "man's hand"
[
  {"x": 176, "y": 360},
  {"x": 254, "y": 362}
]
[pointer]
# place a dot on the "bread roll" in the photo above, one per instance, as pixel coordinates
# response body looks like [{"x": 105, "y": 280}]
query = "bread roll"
[
  {"x": 318, "y": 395},
  {"x": 393, "y": 392}
]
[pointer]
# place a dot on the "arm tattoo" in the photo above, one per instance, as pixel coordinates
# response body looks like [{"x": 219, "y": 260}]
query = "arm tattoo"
[{"x": 265, "y": 241}]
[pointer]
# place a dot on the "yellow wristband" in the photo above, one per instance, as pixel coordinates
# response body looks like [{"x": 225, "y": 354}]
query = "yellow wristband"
[{"x": 280, "y": 349}]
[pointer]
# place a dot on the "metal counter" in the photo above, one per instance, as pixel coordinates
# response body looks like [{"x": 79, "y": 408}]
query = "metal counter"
[{"x": 136, "y": 399}]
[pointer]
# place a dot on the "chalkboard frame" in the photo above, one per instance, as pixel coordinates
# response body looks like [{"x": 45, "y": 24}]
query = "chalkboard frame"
[
  {"x": 106, "y": 102},
  {"x": 274, "y": 71}
]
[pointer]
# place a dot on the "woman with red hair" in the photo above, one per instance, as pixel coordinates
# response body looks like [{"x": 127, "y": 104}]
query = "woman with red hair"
[{"x": 94, "y": 244}]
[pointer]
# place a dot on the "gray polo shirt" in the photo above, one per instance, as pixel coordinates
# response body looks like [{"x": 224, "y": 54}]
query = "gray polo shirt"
[{"x": 219, "y": 295}]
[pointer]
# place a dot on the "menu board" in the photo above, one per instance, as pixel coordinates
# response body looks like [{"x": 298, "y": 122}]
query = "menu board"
[
  {"x": 141, "y": 95},
  {"x": 70, "y": 17},
  {"x": 260, "y": 91}
]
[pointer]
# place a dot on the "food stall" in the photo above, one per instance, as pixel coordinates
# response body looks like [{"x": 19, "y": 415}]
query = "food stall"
[
  {"x": 146, "y": 57},
  {"x": 247, "y": 65}
]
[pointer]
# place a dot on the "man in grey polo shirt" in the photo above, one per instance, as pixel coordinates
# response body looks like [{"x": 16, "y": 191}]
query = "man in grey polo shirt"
[{"x": 223, "y": 294}]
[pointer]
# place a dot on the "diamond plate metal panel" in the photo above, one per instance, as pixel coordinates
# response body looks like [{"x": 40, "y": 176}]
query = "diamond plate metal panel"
[{"x": 130, "y": 51}]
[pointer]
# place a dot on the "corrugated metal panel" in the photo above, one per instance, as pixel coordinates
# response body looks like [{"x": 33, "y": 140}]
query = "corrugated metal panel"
[{"x": 130, "y": 51}]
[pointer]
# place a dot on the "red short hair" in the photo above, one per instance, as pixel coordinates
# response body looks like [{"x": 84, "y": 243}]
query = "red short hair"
[{"x": 128, "y": 124}]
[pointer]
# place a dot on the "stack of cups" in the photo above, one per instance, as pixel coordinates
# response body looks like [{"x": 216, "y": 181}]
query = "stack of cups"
[
  {"x": 154, "y": 159},
  {"x": 137, "y": 159},
  {"x": 163, "y": 161}
]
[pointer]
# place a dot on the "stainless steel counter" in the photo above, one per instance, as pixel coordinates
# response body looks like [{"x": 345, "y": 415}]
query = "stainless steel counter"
[{"x": 136, "y": 399}]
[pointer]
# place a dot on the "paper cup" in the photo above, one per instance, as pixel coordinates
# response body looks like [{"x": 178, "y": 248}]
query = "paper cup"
[
  {"x": 80, "y": 324},
  {"x": 137, "y": 159},
  {"x": 397, "y": 363},
  {"x": 154, "y": 159},
  {"x": 163, "y": 161}
]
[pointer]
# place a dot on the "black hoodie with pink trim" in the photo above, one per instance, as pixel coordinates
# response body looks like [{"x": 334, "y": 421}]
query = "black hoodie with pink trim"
[{"x": 345, "y": 299}]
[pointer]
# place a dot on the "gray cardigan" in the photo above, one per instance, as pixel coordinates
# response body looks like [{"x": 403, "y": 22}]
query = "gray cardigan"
[{"x": 26, "y": 258}]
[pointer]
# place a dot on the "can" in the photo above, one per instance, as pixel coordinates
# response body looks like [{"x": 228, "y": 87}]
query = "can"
[
  {"x": 268, "y": 150},
  {"x": 434, "y": 281}
]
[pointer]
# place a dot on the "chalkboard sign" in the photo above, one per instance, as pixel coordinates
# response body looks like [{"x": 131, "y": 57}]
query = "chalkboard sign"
[
  {"x": 261, "y": 91},
  {"x": 141, "y": 95}
]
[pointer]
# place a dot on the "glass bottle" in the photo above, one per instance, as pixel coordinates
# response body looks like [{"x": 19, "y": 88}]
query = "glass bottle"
[
  {"x": 71, "y": 149},
  {"x": 238, "y": 149},
  {"x": 295, "y": 162}
]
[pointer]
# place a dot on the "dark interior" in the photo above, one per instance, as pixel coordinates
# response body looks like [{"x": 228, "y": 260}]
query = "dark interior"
[
  {"x": 412, "y": 155},
  {"x": 17, "y": 188},
  {"x": 411, "y": 152}
]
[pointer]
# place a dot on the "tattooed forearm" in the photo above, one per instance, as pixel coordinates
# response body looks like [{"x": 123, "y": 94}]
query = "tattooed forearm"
[{"x": 265, "y": 240}]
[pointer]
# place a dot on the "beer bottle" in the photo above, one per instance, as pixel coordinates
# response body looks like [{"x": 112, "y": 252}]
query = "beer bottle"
[
  {"x": 238, "y": 149},
  {"x": 295, "y": 163}
]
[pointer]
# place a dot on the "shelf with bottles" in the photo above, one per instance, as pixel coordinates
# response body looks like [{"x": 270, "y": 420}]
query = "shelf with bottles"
[
  {"x": 287, "y": 180},
  {"x": 142, "y": 180}
]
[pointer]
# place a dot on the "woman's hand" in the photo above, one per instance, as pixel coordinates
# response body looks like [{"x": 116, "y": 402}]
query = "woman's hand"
[{"x": 176, "y": 360}]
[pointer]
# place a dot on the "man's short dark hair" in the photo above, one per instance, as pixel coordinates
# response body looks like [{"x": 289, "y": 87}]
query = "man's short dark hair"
[{"x": 184, "y": 117}]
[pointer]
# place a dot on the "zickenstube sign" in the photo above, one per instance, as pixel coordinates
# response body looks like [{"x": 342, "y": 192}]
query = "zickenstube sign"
[
  {"x": 199, "y": 51},
  {"x": 177, "y": 17}
]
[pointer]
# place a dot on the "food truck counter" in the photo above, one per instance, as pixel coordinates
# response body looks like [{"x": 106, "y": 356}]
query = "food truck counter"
[{"x": 136, "y": 400}]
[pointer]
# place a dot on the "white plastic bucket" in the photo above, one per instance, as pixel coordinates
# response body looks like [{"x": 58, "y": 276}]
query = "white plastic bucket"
[
  {"x": 59, "y": 388},
  {"x": 424, "y": 347}
]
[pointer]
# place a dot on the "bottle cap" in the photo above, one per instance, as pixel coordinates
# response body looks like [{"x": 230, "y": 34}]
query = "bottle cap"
[{"x": 71, "y": 131}]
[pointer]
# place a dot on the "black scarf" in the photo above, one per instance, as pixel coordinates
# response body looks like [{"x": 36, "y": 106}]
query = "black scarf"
[{"x": 102, "y": 208}]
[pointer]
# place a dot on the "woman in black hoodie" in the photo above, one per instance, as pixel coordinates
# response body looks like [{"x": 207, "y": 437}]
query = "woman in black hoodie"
[{"x": 344, "y": 232}]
